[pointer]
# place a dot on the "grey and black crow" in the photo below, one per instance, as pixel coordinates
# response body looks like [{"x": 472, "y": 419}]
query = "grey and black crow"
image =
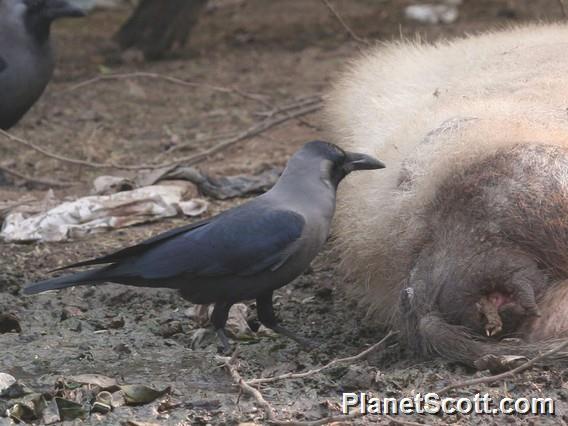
[
  {"x": 243, "y": 253},
  {"x": 26, "y": 57}
]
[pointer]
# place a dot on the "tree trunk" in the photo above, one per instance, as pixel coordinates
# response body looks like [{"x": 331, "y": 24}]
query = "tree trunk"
[{"x": 156, "y": 26}]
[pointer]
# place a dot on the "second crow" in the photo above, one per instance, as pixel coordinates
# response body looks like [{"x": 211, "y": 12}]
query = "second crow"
[{"x": 26, "y": 57}]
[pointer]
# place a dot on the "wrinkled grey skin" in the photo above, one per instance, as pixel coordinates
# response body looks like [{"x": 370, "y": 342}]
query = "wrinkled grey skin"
[{"x": 499, "y": 225}]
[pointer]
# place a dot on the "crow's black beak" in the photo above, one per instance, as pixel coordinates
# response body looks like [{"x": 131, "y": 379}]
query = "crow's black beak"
[
  {"x": 356, "y": 161},
  {"x": 56, "y": 9}
]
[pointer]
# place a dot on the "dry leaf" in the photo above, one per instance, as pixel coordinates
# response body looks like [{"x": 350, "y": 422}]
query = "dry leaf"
[{"x": 140, "y": 394}]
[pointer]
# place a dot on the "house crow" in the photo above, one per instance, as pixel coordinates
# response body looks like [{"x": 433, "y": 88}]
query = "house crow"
[
  {"x": 26, "y": 57},
  {"x": 243, "y": 253}
]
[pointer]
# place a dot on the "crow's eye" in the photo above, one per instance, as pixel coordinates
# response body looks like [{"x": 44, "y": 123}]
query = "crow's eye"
[{"x": 336, "y": 152}]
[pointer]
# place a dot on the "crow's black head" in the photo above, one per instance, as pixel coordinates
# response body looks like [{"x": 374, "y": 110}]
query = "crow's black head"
[{"x": 338, "y": 163}]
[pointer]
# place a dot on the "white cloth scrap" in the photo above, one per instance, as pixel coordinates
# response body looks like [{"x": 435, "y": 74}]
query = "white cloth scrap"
[{"x": 98, "y": 213}]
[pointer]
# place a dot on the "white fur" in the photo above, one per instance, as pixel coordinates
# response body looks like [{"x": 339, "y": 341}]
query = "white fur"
[{"x": 428, "y": 108}]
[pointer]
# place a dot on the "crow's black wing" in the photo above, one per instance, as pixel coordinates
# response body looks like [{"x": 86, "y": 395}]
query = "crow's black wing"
[
  {"x": 140, "y": 248},
  {"x": 244, "y": 242}
]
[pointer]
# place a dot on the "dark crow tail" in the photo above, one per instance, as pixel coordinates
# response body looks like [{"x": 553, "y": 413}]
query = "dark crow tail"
[{"x": 80, "y": 278}]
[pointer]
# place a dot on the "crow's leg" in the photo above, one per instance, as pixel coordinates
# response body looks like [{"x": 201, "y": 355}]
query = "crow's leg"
[
  {"x": 202, "y": 314},
  {"x": 219, "y": 319},
  {"x": 266, "y": 316}
]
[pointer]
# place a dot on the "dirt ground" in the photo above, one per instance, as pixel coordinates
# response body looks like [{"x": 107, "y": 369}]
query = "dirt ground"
[{"x": 283, "y": 51}]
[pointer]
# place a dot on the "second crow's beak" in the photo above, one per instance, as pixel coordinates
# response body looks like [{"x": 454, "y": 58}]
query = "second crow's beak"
[
  {"x": 357, "y": 161},
  {"x": 56, "y": 9}
]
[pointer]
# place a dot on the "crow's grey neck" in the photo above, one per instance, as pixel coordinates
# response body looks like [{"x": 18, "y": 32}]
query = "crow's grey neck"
[{"x": 303, "y": 187}]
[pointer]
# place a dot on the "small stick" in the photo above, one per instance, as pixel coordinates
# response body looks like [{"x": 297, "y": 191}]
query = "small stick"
[
  {"x": 402, "y": 422},
  {"x": 6, "y": 207},
  {"x": 344, "y": 24},
  {"x": 58, "y": 157},
  {"x": 294, "y": 105},
  {"x": 506, "y": 374},
  {"x": 229, "y": 364},
  {"x": 245, "y": 386},
  {"x": 35, "y": 180},
  {"x": 198, "y": 141},
  {"x": 254, "y": 130},
  {"x": 324, "y": 421},
  {"x": 347, "y": 418},
  {"x": 290, "y": 106},
  {"x": 170, "y": 79},
  {"x": 377, "y": 346}
]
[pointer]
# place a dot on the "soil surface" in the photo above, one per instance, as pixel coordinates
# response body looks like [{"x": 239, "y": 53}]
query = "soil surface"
[{"x": 275, "y": 52}]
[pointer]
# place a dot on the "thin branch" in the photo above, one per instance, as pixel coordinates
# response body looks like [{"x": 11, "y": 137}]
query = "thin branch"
[
  {"x": 342, "y": 419},
  {"x": 294, "y": 105},
  {"x": 344, "y": 24},
  {"x": 252, "y": 131},
  {"x": 247, "y": 134},
  {"x": 170, "y": 79},
  {"x": 320, "y": 422},
  {"x": 245, "y": 386},
  {"x": 402, "y": 422},
  {"x": 376, "y": 347},
  {"x": 6, "y": 207},
  {"x": 201, "y": 140},
  {"x": 506, "y": 374},
  {"x": 290, "y": 106},
  {"x": 35, "y": 180},
  {"x": 66, "y": 159},
  {"x": 229, "y": 364},
  {"x": 563, "y": 8}
]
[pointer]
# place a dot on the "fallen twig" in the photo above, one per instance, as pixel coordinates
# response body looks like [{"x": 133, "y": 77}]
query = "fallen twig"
[
  {"x": 491, "y": 379},
  {"x": 377, "y": 346},
  {"x": 324, "y": 421},
  {"x": 344, "y": 24},
  {"x": 229, "y": 364},
  {"x": 284, "y": 109},
  {"x": 66, "y": 159},
  {"x": 343, "y": 419},
  {"x": 402, "y": 422},
  {"x": 254, "y": 130},
  {"x": 35, "y": 180},
  {"x": 197, "y": 141},
  {"x": 245, "y": 386},
  {"x": 6, "y": 207},
  {"x": 173, "y": 80},
  {"x": 290, "y": 106}
]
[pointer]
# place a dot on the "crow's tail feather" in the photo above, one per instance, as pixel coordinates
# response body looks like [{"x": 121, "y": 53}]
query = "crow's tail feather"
[{"x": 81, "y": 278}]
